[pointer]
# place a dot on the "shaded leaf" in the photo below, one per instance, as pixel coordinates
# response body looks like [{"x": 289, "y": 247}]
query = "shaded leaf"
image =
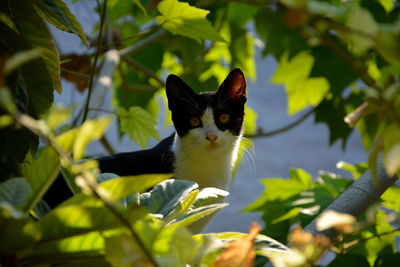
[
  {"x": 139, "y": 124},
  {"x": 18, "y": 231},
  {"x": 332, "y": 218},
  {"x": 181, "y": 18},
  {"x": 15, "y": 191},
  {"x": 349, "y": 259},
  {"x": 58, "y": 14},
  {"x": 166, "y": 197},
  {"x": 32, "y": 28}
]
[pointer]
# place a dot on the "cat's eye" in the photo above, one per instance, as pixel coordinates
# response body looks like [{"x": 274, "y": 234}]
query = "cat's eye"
[
  {"x": 223, "y": 118},
  {"x": 195, "y": 122}
]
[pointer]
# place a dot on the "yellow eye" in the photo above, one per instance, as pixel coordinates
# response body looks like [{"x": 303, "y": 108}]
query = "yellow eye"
[
  {"x": 195, "y": 121},
  {"x": 223, "y": 118}
]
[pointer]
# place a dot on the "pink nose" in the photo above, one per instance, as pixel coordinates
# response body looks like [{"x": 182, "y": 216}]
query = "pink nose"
[{"x": 211, "y": 138}]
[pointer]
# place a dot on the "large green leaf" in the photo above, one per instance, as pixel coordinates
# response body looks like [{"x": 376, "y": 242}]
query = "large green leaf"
[
  {"x": 181, "y": 18},
  {"x": 73, "y": 220},
  {"x": 58, "y": 14},
  {"x": 126, "y": 186},
  {"x": 89, "y": 131},
  {"x": 33, "y": 29},
  {"x": 193, "y": 215},
  {"x": 17, "y": 232},
  {"x": 40, "y": 174},
  {"x": 15, "y": 191},
  {"x": 139, "y": 124},
  {"x": 166, "y": 197}
]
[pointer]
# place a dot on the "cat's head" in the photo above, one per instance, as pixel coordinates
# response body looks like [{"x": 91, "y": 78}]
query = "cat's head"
[{"x": 210, "y": 119}]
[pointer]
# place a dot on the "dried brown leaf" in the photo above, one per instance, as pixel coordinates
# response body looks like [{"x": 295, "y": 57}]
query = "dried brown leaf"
[
  {"x": 239, "y": 253},
  {"x": 76, "y": 69}
]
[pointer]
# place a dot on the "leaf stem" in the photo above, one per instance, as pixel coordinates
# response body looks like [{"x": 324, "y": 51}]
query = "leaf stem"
[{"x": 92, "y": 74}]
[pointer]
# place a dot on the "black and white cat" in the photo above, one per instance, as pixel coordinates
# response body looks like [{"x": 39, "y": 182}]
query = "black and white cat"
[
  {"x": 208, "y": 132},
  {"x": 205, "y": 145}
]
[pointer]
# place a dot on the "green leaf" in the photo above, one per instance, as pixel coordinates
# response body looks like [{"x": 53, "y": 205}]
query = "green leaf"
[
  {"x": 139, "y": 124},
  {"x": 72, "y": 220},
  {"x": 302, "y": 91},
  {"x": 86, "y": 246},
  {"x": 41, "y": 174},
  {"x": 58, "y": 115},
  {"x": 58, "y": 14},
  {"x": 360, "y": 19},
  {"x": 181, "y": 18},
  {"x": 391, "y": 199},
  {"x": 356, "y": 170},
  {"x": 196, "y": 214},
  {"x": 387, "y": 260},
  {"x": 122, "y": 250},
  {"x": 126, "y": 186},
  {"x": 349, "y": 260},
  {"x": 15, "y": 191},
  {"x": 32, "y": 28},
  {"x": 176, "y": 246},
  {"x": 209, "y": 194},
  {"x": 88, "y": 132},
  {"x": 166, "y": 197},
  {"x": 250, "y": 120},
  {"x": 17, "y": 232}
]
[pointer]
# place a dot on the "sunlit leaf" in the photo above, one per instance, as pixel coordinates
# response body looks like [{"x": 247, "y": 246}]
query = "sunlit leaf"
[
  {"x": 139, "y": 124},
  {"x": 302, "y": 91},
  {"x": 209, "y": 194},
  {"x": 387, "y": 4},
  {"x": 391, "y": 150},
  {"x": 15, "y": 191},
  {"x": 58, "y": 115},
  {"x": 126, "y": 186},
  {"x": 196, "y": 214},
  {"x": 332, "y": 218},
  {"x": 166, "y": 197},
  {"x": 88, "y": 132},
  {"x": 356, "y": 170},
  {"x": 181, "y": 18},
  {"x": 41, "y": 174}
]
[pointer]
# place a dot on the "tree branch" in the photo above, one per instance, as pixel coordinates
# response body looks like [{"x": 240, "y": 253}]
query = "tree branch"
[
  {"x": 357, "y": 198},
  {"x": 261, "y": 133}
]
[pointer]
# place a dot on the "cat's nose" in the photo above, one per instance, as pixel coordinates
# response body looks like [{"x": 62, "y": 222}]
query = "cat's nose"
[{"x": 211, "y": 138}]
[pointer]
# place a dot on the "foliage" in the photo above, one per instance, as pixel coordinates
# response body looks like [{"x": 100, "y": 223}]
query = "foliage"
[{"x": 339, "y": 58}]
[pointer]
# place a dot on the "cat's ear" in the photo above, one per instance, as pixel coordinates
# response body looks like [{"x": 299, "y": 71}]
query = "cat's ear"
[
  {"x": 178, "y": 92},
  {"x": 234, "y": 87}
]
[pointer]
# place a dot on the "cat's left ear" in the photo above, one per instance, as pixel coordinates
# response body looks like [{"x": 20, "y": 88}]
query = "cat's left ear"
[{"x": 234, "y": 87}]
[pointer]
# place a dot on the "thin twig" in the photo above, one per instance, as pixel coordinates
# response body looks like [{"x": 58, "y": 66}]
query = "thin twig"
[
  {"x": 143, "y": 43},
  {"x": 107, "y": 145},
  {"x": 137, "y": 66},
  {"x": 137, "y": 35},
  {"x": 365, "y": 239},
  {"x": 99, "y": 41},
  {"x": 75, "y": 73},
  {"x": 260, "y": 133}
]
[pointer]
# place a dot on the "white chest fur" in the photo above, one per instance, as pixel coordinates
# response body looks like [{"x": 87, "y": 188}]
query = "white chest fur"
[{"x": 206, "y": 164}]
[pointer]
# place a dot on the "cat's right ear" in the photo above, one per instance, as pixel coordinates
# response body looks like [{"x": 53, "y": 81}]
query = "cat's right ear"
[{"x": 178, "y": 92}]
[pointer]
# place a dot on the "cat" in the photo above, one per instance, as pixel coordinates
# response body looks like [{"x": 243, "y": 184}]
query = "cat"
[{"x": 204, "y": 147}]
